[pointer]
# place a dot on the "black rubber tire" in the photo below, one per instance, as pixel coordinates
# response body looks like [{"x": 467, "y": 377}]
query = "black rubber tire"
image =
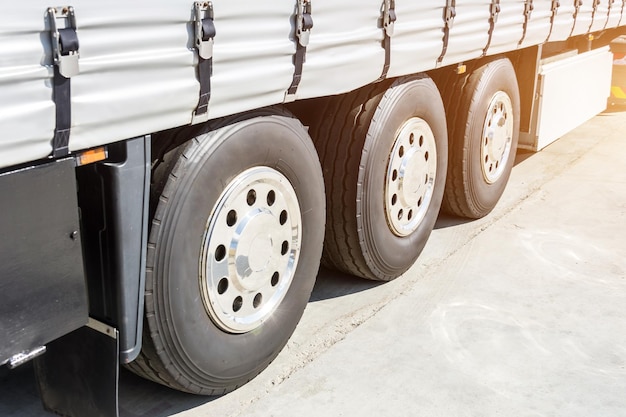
[
  {"x": 467, "y": 99},
  {"x": 182, "y": 347},
  {"x": 354, "y": 139}
]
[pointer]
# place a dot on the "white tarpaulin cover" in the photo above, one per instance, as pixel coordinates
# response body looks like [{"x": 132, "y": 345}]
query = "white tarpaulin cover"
[{"x": 138, "y": 67}]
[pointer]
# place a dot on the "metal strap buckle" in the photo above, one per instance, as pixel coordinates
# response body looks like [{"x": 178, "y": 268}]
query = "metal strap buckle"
[
  {"x": 528, "y": 8},
  {"x": 64, "y": 40},
  {"x": 389, "y": 17},
  {"x": 495, "y": 10},
  {"x": 449, "y": 13},
  {"x": 304, "y": 22},
  {"x": 204, "y": 28}
]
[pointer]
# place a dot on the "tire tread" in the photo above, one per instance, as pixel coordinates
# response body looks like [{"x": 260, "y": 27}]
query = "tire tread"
[
  {"x": 452, "y": 90},
  {"x": 339, "y": 136},
  {"x": 149, "y": 364}
]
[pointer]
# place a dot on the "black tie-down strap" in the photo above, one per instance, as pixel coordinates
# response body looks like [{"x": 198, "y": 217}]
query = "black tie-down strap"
[
  {"x": 494, "y": 11},
  {"x": 205, "y": 71},
  {"x": 303, "y": 26},
  {"x": 554, "y": 9},
  {"x": 298, "y": 63},
  {"x": 61, "y": 95},
  {"x": 389, "y": 19},
  {"x": 577, "y": 5},
  {"x": 65, "y": 55},
  {"x": 608, "y": 13},
  {"x": 528, "y": 11},
  {"x": 449, "y": 13},
  {"x": 204, "y": 35},
  {"x": 595, "y": 5}
]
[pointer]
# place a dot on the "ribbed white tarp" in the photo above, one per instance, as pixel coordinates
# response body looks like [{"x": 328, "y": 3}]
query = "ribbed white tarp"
[{"x": 138, "y": 67}]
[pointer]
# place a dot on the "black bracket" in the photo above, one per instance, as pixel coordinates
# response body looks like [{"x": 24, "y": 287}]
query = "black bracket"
[
  {"x": 204, "y": 28},
  {"x": 389, "y": 20},
  {"x": 494, "y": 11},
  {"x": 303, "y": 26},
  {"x": 528, "y": 11},
  {"x": 449, "y": 13},
  {"x": 64, "y": 41}
]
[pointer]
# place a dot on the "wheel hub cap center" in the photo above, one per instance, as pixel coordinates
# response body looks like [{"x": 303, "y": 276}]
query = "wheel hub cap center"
[
  {"x": 498, "y": 137},
  {"x": 411, "y": 178},
  {"x": 254, "y": 247}
]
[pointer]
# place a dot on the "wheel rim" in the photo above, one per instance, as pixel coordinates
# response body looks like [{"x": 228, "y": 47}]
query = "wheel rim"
[
  {"x": 497, "y": 137},
  {"x": 411, "y": 175},
  {"x": 250, "y": 249}
]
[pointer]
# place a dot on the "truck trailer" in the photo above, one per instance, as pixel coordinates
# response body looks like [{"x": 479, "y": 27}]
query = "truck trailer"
[{"x": 172, "y": 173}]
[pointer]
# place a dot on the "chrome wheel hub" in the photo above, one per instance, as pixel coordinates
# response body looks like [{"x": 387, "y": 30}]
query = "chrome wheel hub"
[
  {"x": 497, "y": 137},
  {"x": 411, "y": 172},
  {"x": 250, "y": 249}
]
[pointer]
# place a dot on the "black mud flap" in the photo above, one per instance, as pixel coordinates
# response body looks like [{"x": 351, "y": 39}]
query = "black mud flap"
[
  {"x": 79, "y": 373},
  {"x": 42, "y": 287}
]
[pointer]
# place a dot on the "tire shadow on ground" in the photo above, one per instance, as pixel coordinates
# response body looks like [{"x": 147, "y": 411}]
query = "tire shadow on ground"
[{"x": 333, "y": 284}]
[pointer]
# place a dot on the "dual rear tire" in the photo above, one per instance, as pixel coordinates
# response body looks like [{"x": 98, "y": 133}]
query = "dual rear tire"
[
  {"x": 483, "y": 109},
  {"x": 383, "y": 150},
  {"x": 391, "y": 155}
]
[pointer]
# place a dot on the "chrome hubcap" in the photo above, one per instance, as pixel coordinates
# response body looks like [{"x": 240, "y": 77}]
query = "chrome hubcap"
[
  {"x": 250, "y": 249},
  {"x": 497, "y": 137},
  {"x": 411, "y": 172}
]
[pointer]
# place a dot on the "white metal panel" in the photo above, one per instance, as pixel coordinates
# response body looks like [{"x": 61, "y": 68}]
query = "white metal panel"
[
  {"x": 470, "y": 31},
  {"x": 539, "y": 23},
  {"x": 345, "y": 50},
  {"x": 417, "y": 40},
  {"x": 571, "y": 91},
  {"x": 563, "y": 21},
  {"x": 253, "y": 54},
  {"x": 508, "y": 29},
  {"x": 27, "y": 113},
  {"x": 615, "y": 14}
]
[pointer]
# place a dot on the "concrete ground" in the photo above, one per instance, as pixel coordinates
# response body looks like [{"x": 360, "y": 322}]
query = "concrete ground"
[{"x": 522, "y": 313}]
